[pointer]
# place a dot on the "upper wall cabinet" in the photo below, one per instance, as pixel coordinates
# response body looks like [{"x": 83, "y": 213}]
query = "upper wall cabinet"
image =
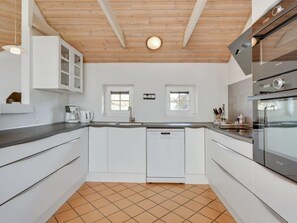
[{"x": 57, "y": 66}]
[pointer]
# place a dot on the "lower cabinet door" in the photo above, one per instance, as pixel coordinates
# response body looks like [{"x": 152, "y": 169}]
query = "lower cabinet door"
[
  {"x": 127, "y": 150},
  {"x": 31, "y": 205}
]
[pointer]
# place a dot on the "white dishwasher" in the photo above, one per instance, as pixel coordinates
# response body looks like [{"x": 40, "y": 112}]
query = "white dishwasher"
[{"x": 166, "y": 155}]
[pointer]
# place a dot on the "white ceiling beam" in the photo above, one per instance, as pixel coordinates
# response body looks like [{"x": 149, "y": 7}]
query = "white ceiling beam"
[
  {"x": 198, "y": 8},
  {"x": 40, "y": 23},
  {"x": 107, "y": 10}
]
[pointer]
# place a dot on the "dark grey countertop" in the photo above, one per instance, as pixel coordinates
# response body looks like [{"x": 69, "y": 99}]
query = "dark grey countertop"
[
  {"x": 243, "y": 135},
  {"x": 22, "y": 135}
]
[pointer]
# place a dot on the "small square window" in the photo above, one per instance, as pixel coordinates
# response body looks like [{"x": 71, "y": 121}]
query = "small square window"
[
  {"x": 181, "y": 101},
  {"x": 118, "y": 99}
]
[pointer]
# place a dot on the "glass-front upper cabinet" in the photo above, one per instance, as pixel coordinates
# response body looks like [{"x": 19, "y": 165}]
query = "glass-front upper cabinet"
[
  {"x": 65, "y": 66},
  {"x": 77, "y": 71},
  {"x": 57, "y": 65}
]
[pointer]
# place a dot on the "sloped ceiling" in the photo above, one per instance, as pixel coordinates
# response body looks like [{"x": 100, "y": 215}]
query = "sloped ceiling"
[{"x": 83, "y": 24}]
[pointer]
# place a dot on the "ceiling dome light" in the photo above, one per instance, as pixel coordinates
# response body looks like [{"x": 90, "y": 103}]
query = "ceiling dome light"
[{"x": 154, "y": 42}]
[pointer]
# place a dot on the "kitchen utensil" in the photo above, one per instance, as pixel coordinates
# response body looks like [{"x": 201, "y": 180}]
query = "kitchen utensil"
[{"x": 220, "y": 111}]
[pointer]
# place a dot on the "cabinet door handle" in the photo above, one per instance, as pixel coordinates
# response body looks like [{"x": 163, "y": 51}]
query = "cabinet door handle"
[{"x": 38, "y": 182}]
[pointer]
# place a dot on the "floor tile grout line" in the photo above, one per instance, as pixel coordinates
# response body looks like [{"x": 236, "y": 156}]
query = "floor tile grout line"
[
  {"x": 144, "y": 188},
  {"x": 172, "y": 211}
]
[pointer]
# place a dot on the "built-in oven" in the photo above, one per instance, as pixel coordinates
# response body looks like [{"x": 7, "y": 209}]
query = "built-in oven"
[
  {"x": 275, "y": 89},
  {"x": 275, "y": 125},
  {"x": 275, "y": 41}
]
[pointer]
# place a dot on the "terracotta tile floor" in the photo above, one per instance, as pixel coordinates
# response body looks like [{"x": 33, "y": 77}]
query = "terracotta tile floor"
[{"x": 143, "y": 203}]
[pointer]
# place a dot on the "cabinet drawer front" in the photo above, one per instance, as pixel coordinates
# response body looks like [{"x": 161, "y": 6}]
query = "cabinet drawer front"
[
  {"x": 277, "y": 191},
  {"x": 30, "y": 206},
  {"x": 237, "y": 165},
  {"x": 244, "y": 148},
  {"x": 13, "y": 153},
  {"x": 237, "y": 197},
  {"x": 24, "y": 173}
]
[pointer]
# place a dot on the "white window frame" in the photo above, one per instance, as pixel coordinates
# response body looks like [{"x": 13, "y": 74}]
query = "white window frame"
[
  {"x": 107, "y": 99},
  {"x": 192, "y": 95}
]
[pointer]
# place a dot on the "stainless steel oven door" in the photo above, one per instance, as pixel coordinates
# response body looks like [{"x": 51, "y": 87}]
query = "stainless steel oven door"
[{"x": 278, "y": 135}]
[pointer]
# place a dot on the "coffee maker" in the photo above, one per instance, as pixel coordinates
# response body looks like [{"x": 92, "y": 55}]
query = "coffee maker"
[{"x": 72, "y": 114}]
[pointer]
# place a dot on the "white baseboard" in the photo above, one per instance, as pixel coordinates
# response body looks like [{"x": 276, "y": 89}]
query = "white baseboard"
[
  {"x": 165, "y": 180},
  {"x": 117, "y": 177},
  {"x": 196, "y": 179}
]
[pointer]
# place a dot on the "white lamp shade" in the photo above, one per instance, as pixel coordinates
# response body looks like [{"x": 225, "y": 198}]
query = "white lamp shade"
[
  {"x": 154, "y": 42},
  {"x": 14, "y": 49}
]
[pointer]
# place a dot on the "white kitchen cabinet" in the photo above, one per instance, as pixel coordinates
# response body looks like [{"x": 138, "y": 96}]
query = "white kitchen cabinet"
[
  {"x": 127, "y": 150},
  {"x": 230, "y": 174},
  {"x": 195, "y": 156},
  {"x": 44, "y": 176},
  {"x": 117, "y": 154},
  {"x": 229, "y": 153},
  {"x": 57, "y": 65},
  {"x": 98, "y": 149},
  {"x": 277, "y": 191}
]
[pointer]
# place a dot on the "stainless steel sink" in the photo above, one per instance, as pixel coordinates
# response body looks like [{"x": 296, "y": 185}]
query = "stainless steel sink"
[{"x": 129, "y": 123}]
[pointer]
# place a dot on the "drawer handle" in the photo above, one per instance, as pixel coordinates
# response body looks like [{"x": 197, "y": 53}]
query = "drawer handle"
[
  {"x": 38, "y": 182},
  {"x": 165, "y": 133},
  {"x": 39, "y": 153}
]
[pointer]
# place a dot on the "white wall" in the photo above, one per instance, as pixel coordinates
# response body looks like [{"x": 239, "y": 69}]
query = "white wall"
[
  {"x": 210, "y": 81},
  {"x": 260, "y": 7},
  {"x": 10, "y": 74},
  {"x": 49, "y": 108}
]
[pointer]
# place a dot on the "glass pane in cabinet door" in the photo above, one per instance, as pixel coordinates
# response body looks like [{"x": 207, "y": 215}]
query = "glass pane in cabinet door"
[
  {"x": 64, "y": 52},
  {"x": 77, "y": 83},
  {"x": 64, "y": 66},
  {"x": 65, "y": 79},
  {"x": 77, "y": 71},
  {"x": 77, "y": 60}
]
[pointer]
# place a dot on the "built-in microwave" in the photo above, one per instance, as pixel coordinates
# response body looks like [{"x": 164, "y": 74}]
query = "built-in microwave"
[
  {"x": 274, "y": 97},
  {"x": 274, "y": 41}
]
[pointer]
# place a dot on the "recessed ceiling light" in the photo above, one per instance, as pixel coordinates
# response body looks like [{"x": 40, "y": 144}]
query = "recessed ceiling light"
[{"x": 154, "y": 42}]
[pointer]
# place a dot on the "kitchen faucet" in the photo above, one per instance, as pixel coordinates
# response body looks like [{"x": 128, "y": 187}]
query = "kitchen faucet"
[{"x": 131, "y": 118}]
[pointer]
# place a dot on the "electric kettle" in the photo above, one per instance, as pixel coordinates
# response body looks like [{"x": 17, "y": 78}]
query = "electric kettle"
[{"x": 86, "y": 116}]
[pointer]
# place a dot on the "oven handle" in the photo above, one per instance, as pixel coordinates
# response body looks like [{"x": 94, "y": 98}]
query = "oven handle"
[
  {"x": 283, "y": 94},
  {"x": 265, "y": 116}
]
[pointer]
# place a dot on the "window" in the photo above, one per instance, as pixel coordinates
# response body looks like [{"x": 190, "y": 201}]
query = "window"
[
  {"x": 118, "y": 99},
  {"x": 181, "y": 100}
]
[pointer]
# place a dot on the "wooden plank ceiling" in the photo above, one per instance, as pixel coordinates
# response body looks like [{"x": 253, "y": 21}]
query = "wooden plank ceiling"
[
  {"x": 7, "y": 12},
  {"x": 83, "y": 24}
]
